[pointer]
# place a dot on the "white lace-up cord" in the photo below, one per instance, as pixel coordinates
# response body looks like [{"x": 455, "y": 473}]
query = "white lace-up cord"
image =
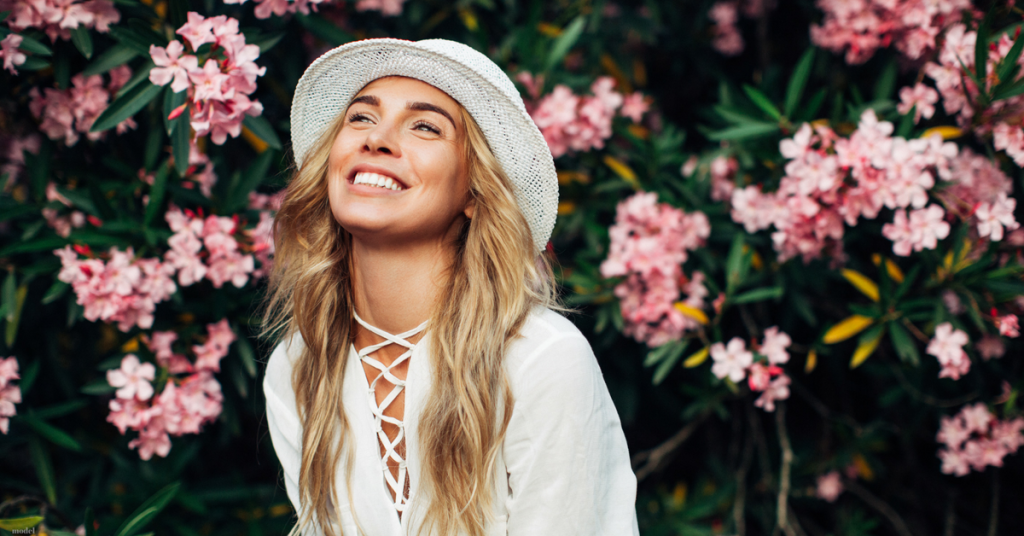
[{"x": 397, "y": 485}]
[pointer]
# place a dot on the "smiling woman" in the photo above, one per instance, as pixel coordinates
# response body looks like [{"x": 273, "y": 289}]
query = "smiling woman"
[{"x": 424, "y": 383}]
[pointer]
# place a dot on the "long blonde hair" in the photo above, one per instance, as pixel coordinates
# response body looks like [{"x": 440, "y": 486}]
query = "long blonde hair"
[{"x": 495, "y": 280}]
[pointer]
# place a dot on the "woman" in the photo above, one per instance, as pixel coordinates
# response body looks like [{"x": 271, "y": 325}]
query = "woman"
[{"x": 423, "y": 384}]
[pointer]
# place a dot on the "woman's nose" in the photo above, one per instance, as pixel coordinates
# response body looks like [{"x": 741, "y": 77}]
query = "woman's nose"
[{"x": 382, "y": 139}]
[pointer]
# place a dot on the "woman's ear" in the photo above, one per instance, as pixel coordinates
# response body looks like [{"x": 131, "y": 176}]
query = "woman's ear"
[{"x": 470, "y": 207}]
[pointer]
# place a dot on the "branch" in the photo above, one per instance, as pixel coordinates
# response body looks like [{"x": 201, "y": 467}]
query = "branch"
[
  {"x": 993, "y": 517},
  {"x": 929, "y": 399},
  {"x": 739, "y": 505},
  {"x": 880, "y": 505},
  {"x": 782, "y": 512},
  {"x": 656, "y": 456}
]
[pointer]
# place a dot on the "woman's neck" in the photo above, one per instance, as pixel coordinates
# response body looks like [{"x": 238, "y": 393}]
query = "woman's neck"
[{"x": 394, "y": 289}]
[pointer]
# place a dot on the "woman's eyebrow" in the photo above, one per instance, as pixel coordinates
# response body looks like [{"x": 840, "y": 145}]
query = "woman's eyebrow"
[
  {"x": 366, "y": 99},
  {"x": 427, "y": 107}
]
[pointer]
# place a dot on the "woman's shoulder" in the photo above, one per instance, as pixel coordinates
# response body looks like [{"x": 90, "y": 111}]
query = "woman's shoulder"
[
  {"x": 278, "y": 378},
  {"x": 549, "y": 343}
]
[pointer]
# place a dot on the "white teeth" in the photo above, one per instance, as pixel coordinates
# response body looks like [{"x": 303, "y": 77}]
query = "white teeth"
[{"x": 374, "y": 179}]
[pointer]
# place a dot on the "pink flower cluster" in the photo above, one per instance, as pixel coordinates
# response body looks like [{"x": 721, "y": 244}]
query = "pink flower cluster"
[
  {"x": 262, "y": 235},
  {"x": 184, "y": 405},
  {"x": 219, "y": 89},
  {"x": 735, "y": 362},
  {"x": 863, "y": 26},
  {"x": 10, "y": 54},
  {"x": 10, "y": 394},
  {"x": 266, "y": 8},
  {"x": 570, "y": 122},
  {"x": 726, "y": 38},
  {"x": 212, "y": 237},
  {"x": 649, "y": 244},
  {"x": 831, "y": 180},
  {"x": 71, "y": 112},
  {"x": 13, "y": 154},
  {"x": 948, "y": 347},
  {"x": 123, "y": 289},
  {"x": 975, "y": 439},
  {"x": 829, "y": 486},
  {"x": 62, "y": 224},
  {"x": 58, "y": 17}
]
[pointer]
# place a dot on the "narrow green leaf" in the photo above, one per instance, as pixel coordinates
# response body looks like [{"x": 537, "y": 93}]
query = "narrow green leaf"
[
  {"x": 757, "y": 295},
  {"x": 655, "y": 356},
  {"x": 58, "y": 289},
  {"x": 181, "y": 143},
  {"x": 752, "y": 130},
  {"x": 324, "y": 29},
  {"x": 813, "y": 105},
  {"x": 798, "y": 81},
  {"x": 177, "y": 12},
  {"x": 246, "y": 354},
  {"x": 98, "y": 387},
  {"x": 55, "y": 435},
  {"x": 172, "y": 100},
  {"x": 670, "y": 360},
  {"x": 80, "y": 199},
  {"x": 1009, "y": 90},
  {"x": 251, "y": 178},
  {"x": 762, "y": 101},
  {"x": 905, "y": 346},
  {"x": 906, "y": 123},
  {"x": 265, "y": 41},
  {"x": 149, "y": 509},
  {"x": 126, "y": 106},
  {"x": 156, "y": 194},
  {"x": 38, "y": 244},
  {"x": 981, "y": 50},
  {"x": 564, "y": 42},
  {"x": 1009, "y": 62},
  {"x": 21, "y": 523},
  {"x": 82, "y": 40},
  {"x": 9, "y": 295},
  {"x": 62, "y": 71},
  {"x": 90, "y": 529},
  {"x": 886, "y": 82},
  {"x": 59, "y": 410},
  {"x": 735, "y": 116},
  {"x": 734, "y": 263},
  {"x": 13, "y": 320},
  {"x": 33, "y": 45},
  {"x": 44, "y": 467},
  {"x": 115, "y": 56},
  {"x": 263, "y": 130},
  {"x": 28, "y": 377},
  {"x": 34, "y": 63}
]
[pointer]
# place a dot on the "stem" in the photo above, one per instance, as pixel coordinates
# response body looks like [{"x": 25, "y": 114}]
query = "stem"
[
  {"x": 787, "y": 463},
  {"x": 950, "y": 514},
  {"x": 880, "y": 505},
  {"x": 993, "y": 517},
  {"x": 928, "y": 399},
  {"x": 657, "y": 455},
  {"x": 739, "y": 505}
]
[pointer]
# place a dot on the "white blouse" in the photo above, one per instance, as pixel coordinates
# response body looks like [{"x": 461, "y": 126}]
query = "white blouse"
[{"x": 564, "y": 466}]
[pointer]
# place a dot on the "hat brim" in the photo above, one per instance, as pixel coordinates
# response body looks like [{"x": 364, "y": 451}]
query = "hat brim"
[{"x": 469, "y": 77}]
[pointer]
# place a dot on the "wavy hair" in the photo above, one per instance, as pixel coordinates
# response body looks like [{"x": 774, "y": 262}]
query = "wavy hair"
[{"x": 495, "y": 279}]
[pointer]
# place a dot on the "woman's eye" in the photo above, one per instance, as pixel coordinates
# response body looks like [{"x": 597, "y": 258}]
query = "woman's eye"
[
  {"x": 427, "y": 127},
  {"x": 355, "y": 118}
]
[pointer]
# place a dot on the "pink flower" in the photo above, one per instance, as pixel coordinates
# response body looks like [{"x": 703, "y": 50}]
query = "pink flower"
[
  {"x": 778, "y": 389},
  {"x": 830, "y": 485},
  {"x": 727, "y": 39},
  {"x": 197, "y": 30},
  {"x": 151, "y": 441},
  {"x": 386, "y": 7},
  {"x": 993, "y": 217},
  {"x": 921, "y": 96},
  {"x": 209, "y": 82},
  {"x": 10, "y": 54},
  {"x": 947, "y": 346},
  {"x": 171, "y": 64},
  {"x": 759, "y": 376},
  {"x": 954, "y": 462},
  {"x": 133, "y": 378},
  {"x": 634, "y": 106},
  {"x": 9, "y": 394},
  {"x": 731, "y": 360},
  {"x": 976, "y": 418},
  {"x": 774, "y": 346},
  {"x": 1008, "y": 326},
  {"x": 953, "y": 432},
  {"x": 990, "y": 346}
]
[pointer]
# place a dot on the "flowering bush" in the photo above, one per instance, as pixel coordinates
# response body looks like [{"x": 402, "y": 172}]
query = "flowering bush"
[{"x": 801, "y": 269}]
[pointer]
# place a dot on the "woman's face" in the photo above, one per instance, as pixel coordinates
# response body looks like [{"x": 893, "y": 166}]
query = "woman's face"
[{"x": 408, "y": 135}]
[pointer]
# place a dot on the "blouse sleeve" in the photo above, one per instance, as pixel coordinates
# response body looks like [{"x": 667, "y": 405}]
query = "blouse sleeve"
[
  {"x": 283, "y": 418},
  {"x": 565, "y": 452}
]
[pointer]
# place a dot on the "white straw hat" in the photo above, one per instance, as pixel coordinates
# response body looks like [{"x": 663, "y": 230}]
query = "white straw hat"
[{"x": 469, "y": 77}]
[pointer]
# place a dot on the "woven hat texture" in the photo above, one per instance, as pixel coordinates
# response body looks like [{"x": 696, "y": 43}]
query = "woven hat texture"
[{"x": 469, "y": 77}]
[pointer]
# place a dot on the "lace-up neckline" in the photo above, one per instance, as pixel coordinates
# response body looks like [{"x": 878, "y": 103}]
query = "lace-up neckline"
[{"x": 397, "y": 482}]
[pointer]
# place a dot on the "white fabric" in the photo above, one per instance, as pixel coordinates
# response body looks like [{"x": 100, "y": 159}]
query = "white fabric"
[
  {"x": 564, "y": 456},
  {"x": 469, "y": 77}
]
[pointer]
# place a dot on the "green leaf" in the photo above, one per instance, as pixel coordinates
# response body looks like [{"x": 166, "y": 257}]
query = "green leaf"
[
  {"x": 141, "y": 75},
  {"x": 80, "y": 199},
  {"x": 905, "y": 346},
  {"x": 1009, "y": 90},
  {"x": 28, "y": 377},
  {"x": 9, "y": 295},
  {"x": 172, "y": 100},
  {"x": 82, "y": 40},
  {"x": 324, "y": 29},
  {"x": 149, "y": 509},
  {"x": 90, "y": 528},
  {"x": 906, "y": 125},
  {"x": 1008, "y": 64},
  {"x": 177, "y": 12},
  {"x": 886, "y": 82},
  {"x": 126, "y": 106},
  {"x": 21, "y": 523},
  {"x": 670, "y": 360},
  {"x": 33, "y": 45},
  {"x": 44, "y": 467},
  {"x": 38, "y": 244},
  {"x": 798, "y": 81},
  {"x": 564, "y": 42},
  {"x": 156, "y": 194},
  {"x": 52, "y": 433},
  {"x": 762, "y": 101},
  {"x": 760, "y": 294},
  {"x": 181, "y": 143},
  {"x": 98, "y": 387},
  {"x": 115, "y": 56},
  {"x": 734, "y": 264},
  {"x": 131, "y": 38},
  {"x": 751, "y": 130},
  {"x": 246, "y": 354},
  {"x": 813, "y": 105},
  {"x": 58, "y": 289},
  {"x": 656, "y": 355},
  {"x": 14, "y": 317},
  {"x": 34, "y": 63},
  {"x": 265, "y": 41},
  {"x": 734, "y": 116},
  {"x": 262, "y": 129},
  {"x": 60, "y": 410},
  {"x": 981, "y": 50},
  {"x": 251, "y": 178}
]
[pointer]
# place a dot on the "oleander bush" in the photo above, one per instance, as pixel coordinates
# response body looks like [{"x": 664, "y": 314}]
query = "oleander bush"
[{"x": 788, "y": 228}]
